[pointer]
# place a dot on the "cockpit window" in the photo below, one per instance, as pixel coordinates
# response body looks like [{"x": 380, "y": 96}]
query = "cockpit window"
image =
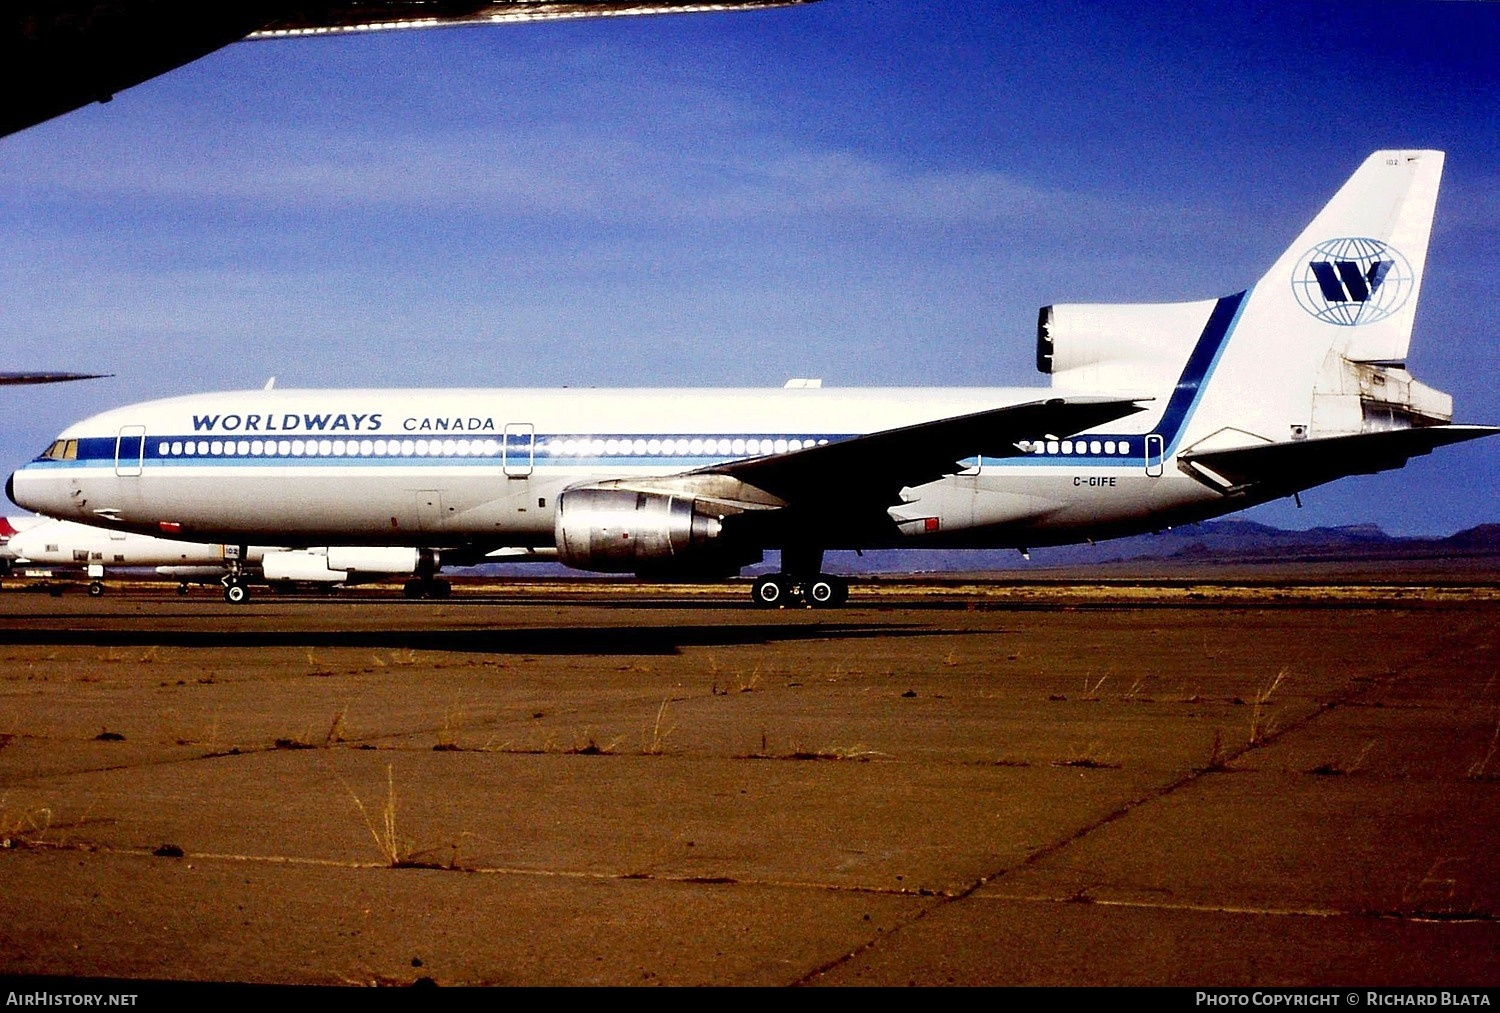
[{"x": 61, "y": 450}]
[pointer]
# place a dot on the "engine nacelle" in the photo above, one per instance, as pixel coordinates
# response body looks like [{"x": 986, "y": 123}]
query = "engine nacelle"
[
  {"x": 1118, "y": 348},
  {"x": 374, "y": 558},
  {"x": 300, "y": 566},
  {"x": 648, "y": 533}
]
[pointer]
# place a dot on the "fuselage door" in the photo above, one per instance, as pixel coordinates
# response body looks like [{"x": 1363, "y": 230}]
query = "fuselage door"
[
  {"x": 519, "y": 449},
  {"x": 1154, "y": 455},
  {"x": 130, "y": 450},
  {"x": 428, "y": 504}
]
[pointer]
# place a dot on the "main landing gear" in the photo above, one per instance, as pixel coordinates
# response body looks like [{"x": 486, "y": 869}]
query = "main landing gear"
[
  {"x": 425, "y": 582},
  {"x": 431, "y": 587},
  {"x": 782, "y": 590},
  {"x": 800, "y": 582}
]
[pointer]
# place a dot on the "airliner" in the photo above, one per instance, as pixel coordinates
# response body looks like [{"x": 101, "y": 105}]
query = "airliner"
[
  {"x": 1155, "y": 415},
  {"x": 89, "y": 550}
]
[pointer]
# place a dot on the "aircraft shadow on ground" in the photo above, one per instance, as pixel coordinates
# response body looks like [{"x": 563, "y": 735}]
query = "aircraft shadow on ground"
[{"x": 560, "y": 640}]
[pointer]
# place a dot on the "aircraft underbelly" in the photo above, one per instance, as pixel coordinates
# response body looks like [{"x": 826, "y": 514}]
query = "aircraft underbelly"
[
  {"x": 998, "y": 508},
  {"x": 324, "y": 505}
]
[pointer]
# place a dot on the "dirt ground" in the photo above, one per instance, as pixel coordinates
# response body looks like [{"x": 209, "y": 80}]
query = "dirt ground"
[{"x": 1161, "y": 783}]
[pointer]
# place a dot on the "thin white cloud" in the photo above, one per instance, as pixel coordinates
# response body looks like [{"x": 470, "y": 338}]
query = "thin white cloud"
[{"x": 555, "y": 172}]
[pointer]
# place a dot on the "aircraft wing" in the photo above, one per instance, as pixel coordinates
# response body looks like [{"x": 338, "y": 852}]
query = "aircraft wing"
[
  {"x": 44, "y": 377},
  {"x": 1280, "y": 469},
  {"x": 873, "y": 469},
  {"x": 59, "y": 55},
  {"x": 381, "y": 15}
]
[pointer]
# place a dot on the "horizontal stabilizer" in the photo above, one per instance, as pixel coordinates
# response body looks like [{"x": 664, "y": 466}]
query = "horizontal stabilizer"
[
  {"x": 876, "y": 467},
  {"x": 1280, "y": 469}
]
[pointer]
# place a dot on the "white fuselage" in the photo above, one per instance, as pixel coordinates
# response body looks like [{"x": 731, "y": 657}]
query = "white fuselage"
[{"x": 485, "y": 467}]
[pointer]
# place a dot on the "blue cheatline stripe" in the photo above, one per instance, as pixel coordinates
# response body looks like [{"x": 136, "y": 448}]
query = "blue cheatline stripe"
[
  {"x": 97, "y": 450},
  {"x": 1200, "y": 366}
]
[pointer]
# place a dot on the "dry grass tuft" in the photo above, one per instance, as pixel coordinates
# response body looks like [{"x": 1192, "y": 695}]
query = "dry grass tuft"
[
  {"x": 447, "y": 740},
  {"x": 337, "y": 728},
  {"x": 1091, "y": 758},
  {"x": 656, "y": 743},
  {"x": 23, "y": 827},
  {"x": 858, "y": 752},
  {"x": 1262, "y": 727},
  {"x": 396, "y": 852},
  {"x": 588, "y": 745}
]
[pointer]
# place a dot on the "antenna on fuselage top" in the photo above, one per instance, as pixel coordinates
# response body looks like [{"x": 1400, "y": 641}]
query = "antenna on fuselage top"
[{"x": 269, "y": 384}]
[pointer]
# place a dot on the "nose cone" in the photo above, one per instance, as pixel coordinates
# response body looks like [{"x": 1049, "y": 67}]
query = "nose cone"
[{"x": 26, "y": 496}]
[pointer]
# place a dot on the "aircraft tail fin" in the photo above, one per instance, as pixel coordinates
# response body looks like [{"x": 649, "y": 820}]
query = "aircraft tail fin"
[
  {"x": 1315, "y": 349},
  {"x": 1358, "y": 266}
]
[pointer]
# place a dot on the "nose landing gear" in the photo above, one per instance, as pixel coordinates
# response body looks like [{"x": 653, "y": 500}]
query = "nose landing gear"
[{"x": 236, "y": 586}]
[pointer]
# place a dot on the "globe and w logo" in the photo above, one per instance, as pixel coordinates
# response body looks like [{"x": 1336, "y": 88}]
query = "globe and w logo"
[{"x": 1352, "y": 281}]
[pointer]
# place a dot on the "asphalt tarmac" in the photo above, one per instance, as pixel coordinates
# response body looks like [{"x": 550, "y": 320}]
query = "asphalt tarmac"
[{"x": 1160, "y": 783}]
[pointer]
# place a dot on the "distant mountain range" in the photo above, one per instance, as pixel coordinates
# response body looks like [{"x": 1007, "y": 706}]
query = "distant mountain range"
[
  {"x": 1232, "y": 543},
  {"x": 1210, "y": 542}
]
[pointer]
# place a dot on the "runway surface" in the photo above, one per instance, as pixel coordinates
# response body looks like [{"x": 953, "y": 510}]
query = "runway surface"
[{"x": 1169, "y": 783}]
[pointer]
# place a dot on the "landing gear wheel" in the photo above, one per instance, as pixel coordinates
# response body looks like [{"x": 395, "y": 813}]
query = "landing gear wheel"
[
  {"x": 236, "y": 593},
  {"x": 439, "y": 588},
  {"x": 95, "y": 589},
  {"x": 825, "y": 592},
  {"x": 770, "y": 592},
  {"x": 182, "y": 589},
  {"x": 413, "y": 588}
]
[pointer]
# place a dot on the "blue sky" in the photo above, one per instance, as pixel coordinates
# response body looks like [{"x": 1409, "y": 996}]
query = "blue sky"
[{"x": 868, "y": 192}]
